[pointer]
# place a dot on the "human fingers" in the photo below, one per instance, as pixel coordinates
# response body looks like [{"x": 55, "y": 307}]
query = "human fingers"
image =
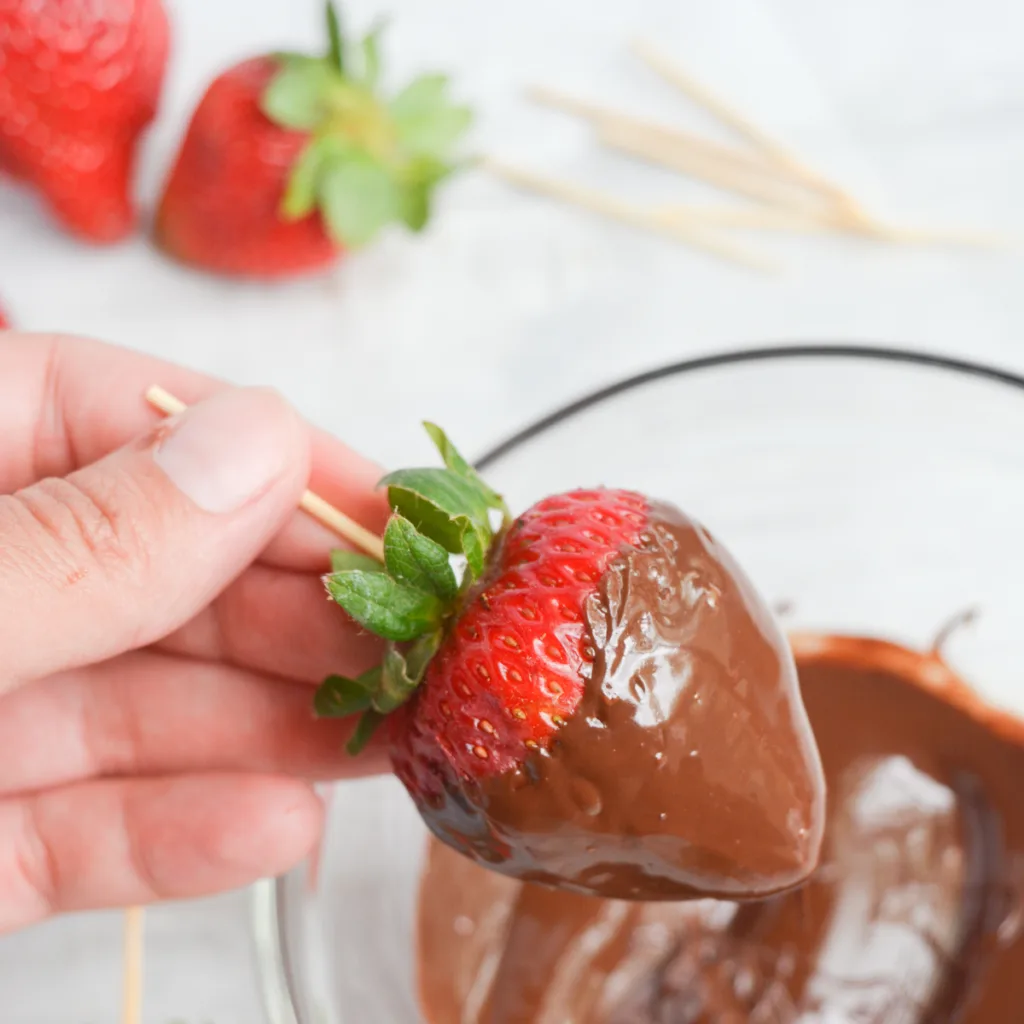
[
  {"x": 66, "y": 402},
  {"x": 147, "y": 713},
  {"x": 115, "y": 843},
  {"x": 122, "y": 552},
  {"x": 281, "y": 623}
]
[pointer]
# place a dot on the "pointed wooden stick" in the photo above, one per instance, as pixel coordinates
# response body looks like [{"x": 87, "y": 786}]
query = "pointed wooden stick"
[
  {"x": 602, "y": 117},
  {"x": 625, "y": 212},
  {"x": 754, "y": 175},
  {"x": 661, "y": 64},
  {"x": 331, "y": 517},
  {"x": 767, "y": 218},
  {"x": 761, "y": 218},
  {"x": 637, "y": 143},
  {"x": 131, "y": 993}
]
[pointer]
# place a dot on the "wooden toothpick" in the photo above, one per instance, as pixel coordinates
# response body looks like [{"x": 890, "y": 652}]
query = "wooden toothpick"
[
  {"x": 696, "y": 164},
  {"x": 604, "y": 118},
  {"x": 699, "y": 235},
  {"x": 131, "y": 992},
  {"x": 334, "y": 519},
  {"x": 673, "y": 73}
]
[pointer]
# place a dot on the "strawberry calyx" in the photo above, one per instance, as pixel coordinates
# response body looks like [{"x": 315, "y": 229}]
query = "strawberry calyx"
[
  {"x": 371, "y": 160},
  {"x": 443, "y": 523}
]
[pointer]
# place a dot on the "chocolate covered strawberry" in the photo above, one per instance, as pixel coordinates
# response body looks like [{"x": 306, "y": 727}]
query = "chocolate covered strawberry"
[
  {"x": 601, "y": 702},
  {"x": 290, "y": 159},
  {"x": 78, "y": 84}
]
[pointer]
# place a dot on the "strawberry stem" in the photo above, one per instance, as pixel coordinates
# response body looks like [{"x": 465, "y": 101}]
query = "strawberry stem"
[{"x": 336, "y": 53}]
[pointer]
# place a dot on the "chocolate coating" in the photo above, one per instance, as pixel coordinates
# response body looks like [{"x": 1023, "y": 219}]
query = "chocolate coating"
[
  {"x": 688, "y": 768},
  {"x": 915, "y": 914}
]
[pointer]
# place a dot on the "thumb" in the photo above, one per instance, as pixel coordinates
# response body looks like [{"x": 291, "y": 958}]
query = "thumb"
[{"x": 121, "y": 553}]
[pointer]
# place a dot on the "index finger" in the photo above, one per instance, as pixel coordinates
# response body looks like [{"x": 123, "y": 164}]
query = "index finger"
[{"x": 66, "y": 402}]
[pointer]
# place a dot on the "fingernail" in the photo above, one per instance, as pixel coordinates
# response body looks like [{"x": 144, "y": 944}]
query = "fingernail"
[{"x": 227, "y": 450}]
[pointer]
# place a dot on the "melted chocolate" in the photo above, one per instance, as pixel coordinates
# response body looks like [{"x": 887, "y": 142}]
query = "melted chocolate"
[
  {"x": 915, "y": 914},
  {"x": 688, "y": 768}
]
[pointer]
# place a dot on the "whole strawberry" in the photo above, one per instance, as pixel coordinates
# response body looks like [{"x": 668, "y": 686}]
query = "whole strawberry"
[
  {"x": 603, "y": 702},
  {"x": 79, "y": 81},
  {"x": 290, "y": 159}
]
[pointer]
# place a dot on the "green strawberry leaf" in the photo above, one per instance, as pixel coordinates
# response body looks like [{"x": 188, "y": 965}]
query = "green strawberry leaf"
[
  {"x": 428, "y": 170},
  {"x": 457, "y": 464},
  {"x": 397, "y": 685},
  {"x": 415, "y": 205},
  {"x": 300, "y": 194},
  {"x": 292, "y": 57},
  {"x": 474, "y": 546},
  {"x": 371, "y": 54},
  {"x": 336, "y": 50},
  {"x": 339, "y": 696},
  {"x": 301, "y": 95},
  {"x": 442, "y": 488},
  {"x": 402, "y": 673},
  {"x": 364, "y": 731},
  {"x": 343, "y": 560},
  {"x": 428, "y": 125},
  {"x": 429, "y": 518},
  {"x": 359, "y": 196},
  {"x": 420, "y": 176},
  {"x": 303, "y": 190},
  {"x": 421, "y": 96},
  {"x": 419, "y": 653},
  {"x": 384, "y": 606},
  {"x": 435, "y": 134},
  {"x": 412, "y": 558}
]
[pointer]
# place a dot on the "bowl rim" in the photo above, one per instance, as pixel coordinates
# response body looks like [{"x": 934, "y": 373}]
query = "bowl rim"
[
  {"x": 754, "y": 354},
  {"x": 276, "y": 973}
]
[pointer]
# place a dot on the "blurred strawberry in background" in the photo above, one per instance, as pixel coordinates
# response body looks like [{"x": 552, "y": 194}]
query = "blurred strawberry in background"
[
  {"x": 79, "y": 81},
  {"x": 4, "y": 323},
  {"x": 290, "y": 159}
]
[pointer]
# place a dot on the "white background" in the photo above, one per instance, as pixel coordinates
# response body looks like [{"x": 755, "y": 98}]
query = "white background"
[{"x": 511, "y": 304}]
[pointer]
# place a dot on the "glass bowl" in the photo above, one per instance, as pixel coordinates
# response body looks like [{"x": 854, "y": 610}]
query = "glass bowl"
[{"x": 865, "y": 490}]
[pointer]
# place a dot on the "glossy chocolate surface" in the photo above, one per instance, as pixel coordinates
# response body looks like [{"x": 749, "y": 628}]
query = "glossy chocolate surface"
[{"x": 688, "y": 769}]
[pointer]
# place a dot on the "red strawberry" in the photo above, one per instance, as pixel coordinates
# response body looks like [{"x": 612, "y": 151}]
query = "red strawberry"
[
  {"x": 3, "y": 321},
  {"x": 79, "y": 83},
  {"x": 603, "y": 702},
  {"x": 514, "y": 661},
  {"x": 290, "y": 159}
]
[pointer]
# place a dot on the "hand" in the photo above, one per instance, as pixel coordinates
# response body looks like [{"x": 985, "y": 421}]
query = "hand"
[{"x": 161, "y": 623}]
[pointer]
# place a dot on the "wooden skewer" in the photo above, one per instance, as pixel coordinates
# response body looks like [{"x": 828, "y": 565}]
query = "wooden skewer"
[
  {"x": 131, "y": 995},
  {"x": 627, "y": 213},
  {"x": 851, "y": 212},
  {"x": 777, "y": 219},
  {"x": 602, "y": 117},
  {"x": 321, "y": 510},
  {"x": 671, "y": 72},
  {"x": 766, "y": 218},
  {"x": 639, "y": 144},
  {"x": 940, "y": 236}
]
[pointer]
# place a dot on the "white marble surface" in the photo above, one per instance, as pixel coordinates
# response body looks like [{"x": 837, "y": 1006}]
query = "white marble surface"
[{"x": 510, "y": 304}]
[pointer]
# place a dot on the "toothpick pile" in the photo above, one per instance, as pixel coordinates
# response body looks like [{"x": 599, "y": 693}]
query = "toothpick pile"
[{"x": 783, "y": 193}]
